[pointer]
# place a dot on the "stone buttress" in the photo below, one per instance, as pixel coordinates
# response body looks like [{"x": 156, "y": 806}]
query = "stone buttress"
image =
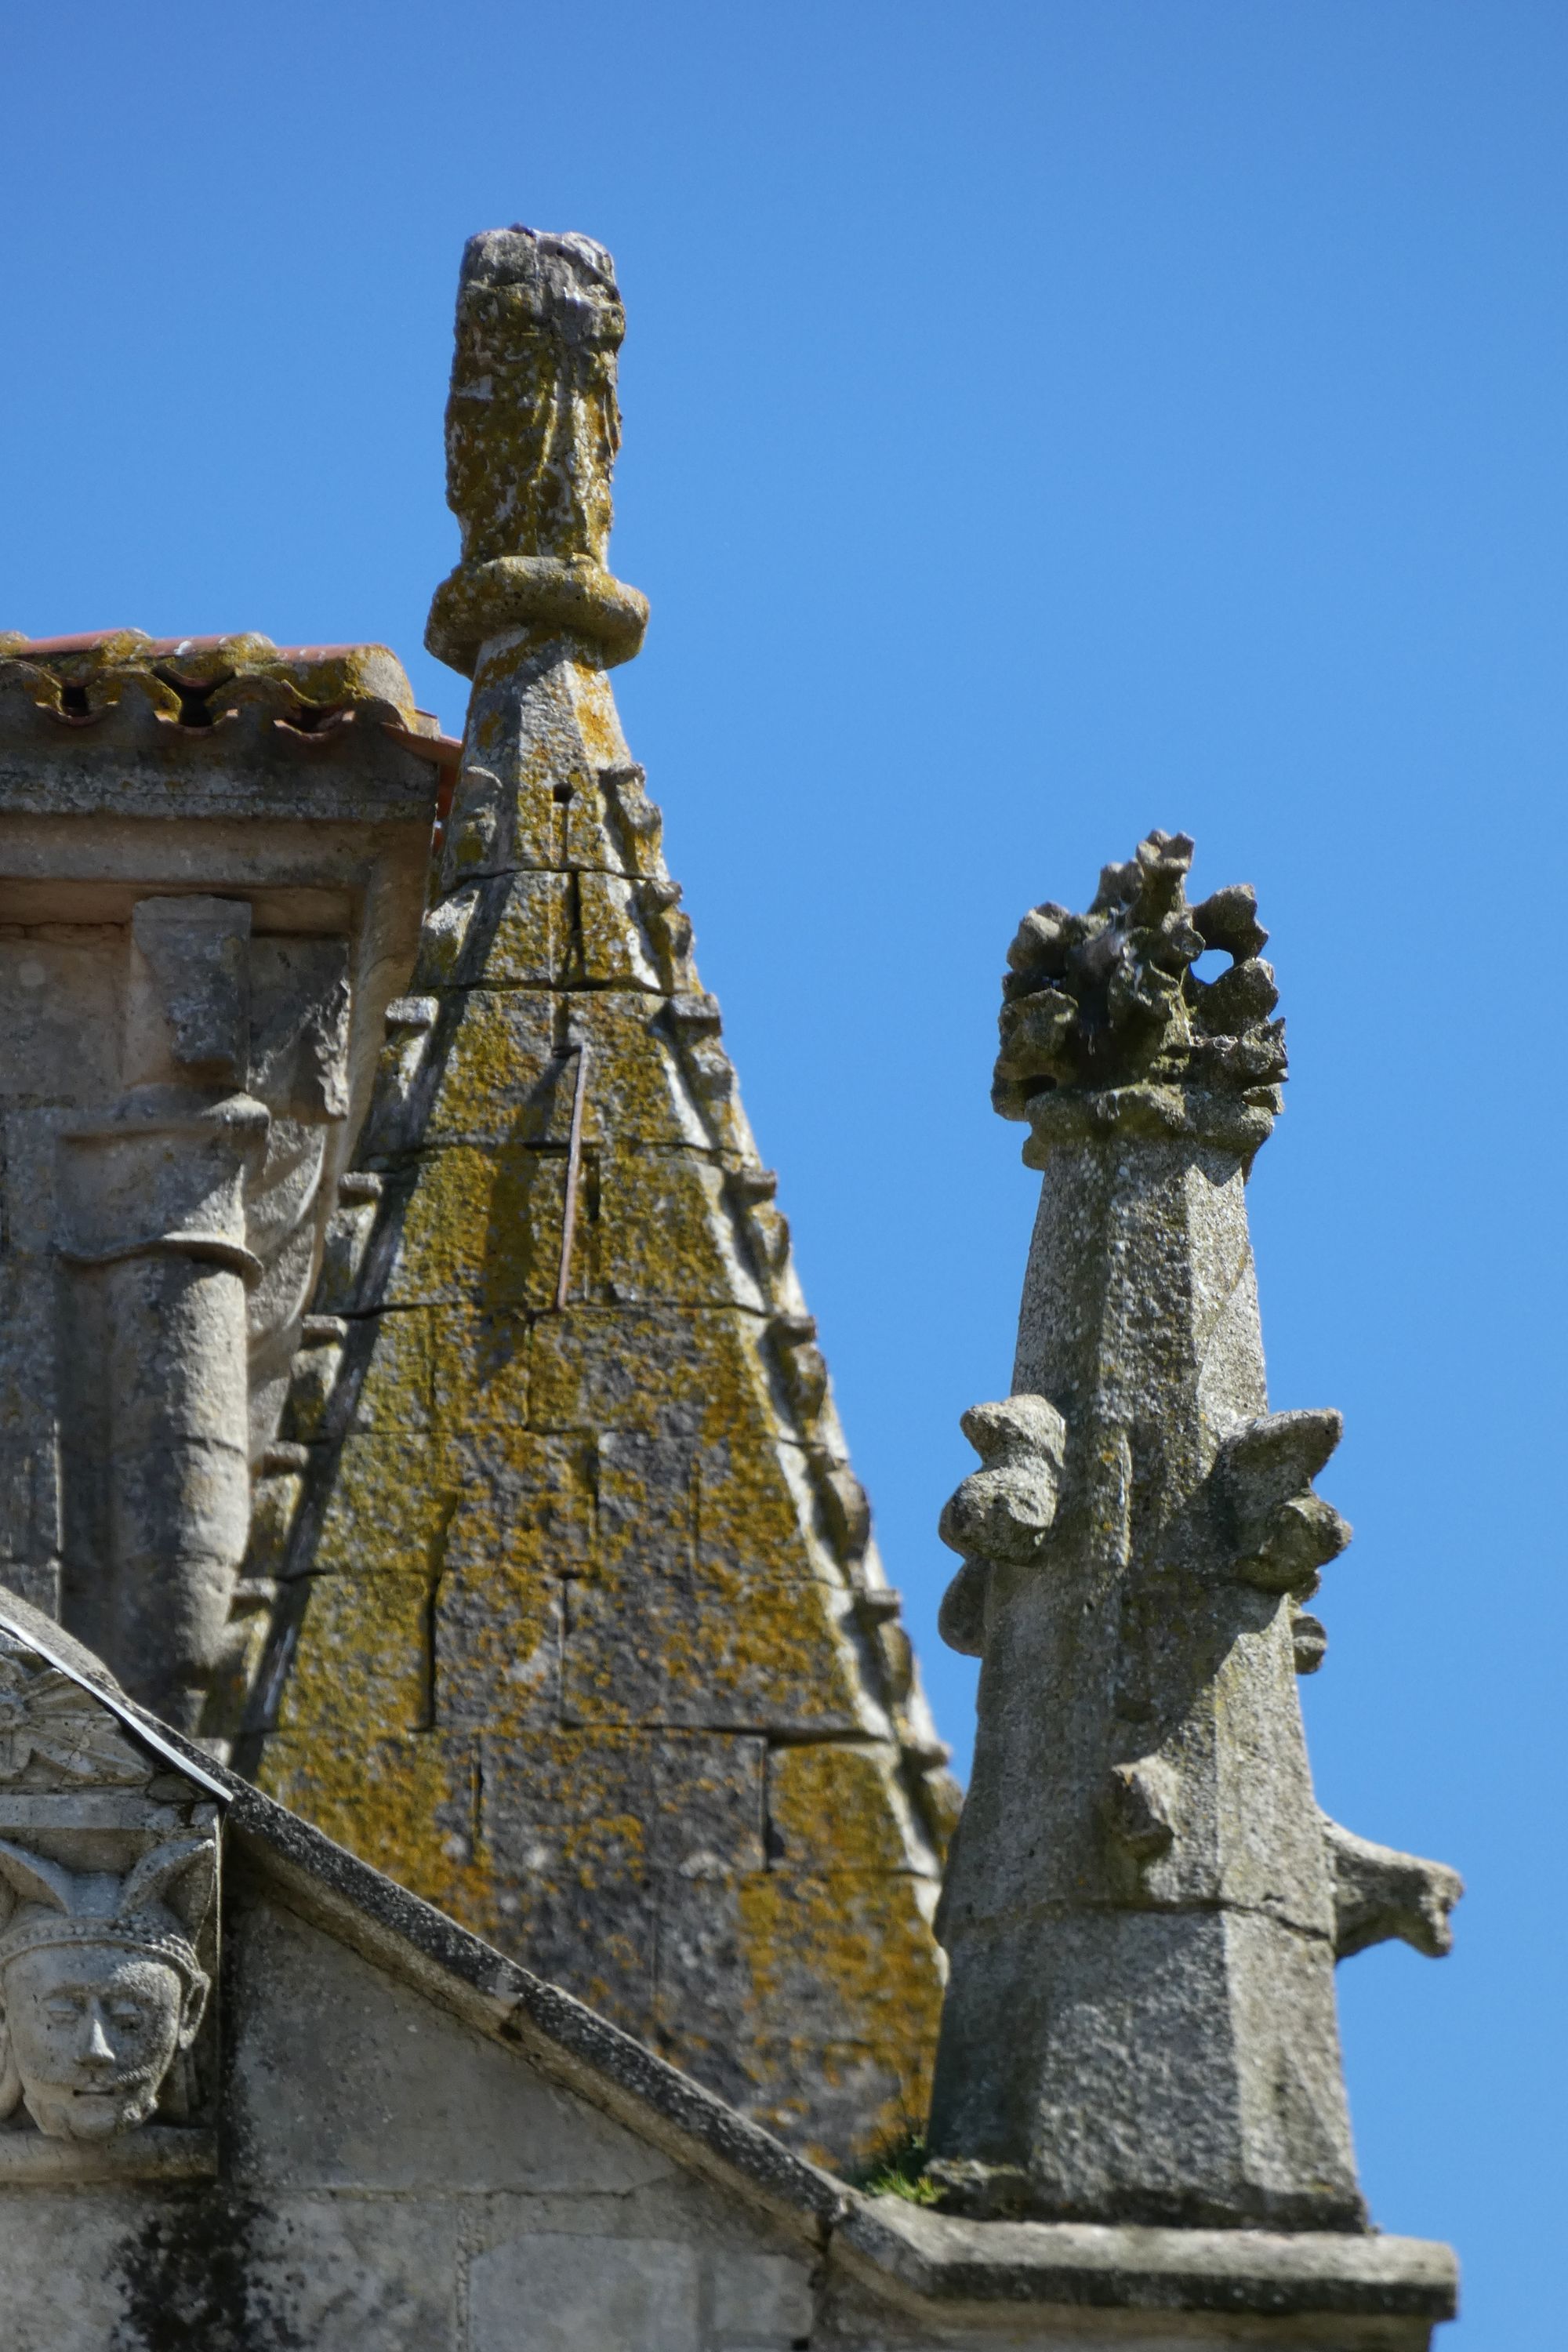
[{"x": 582, "y": 1633}]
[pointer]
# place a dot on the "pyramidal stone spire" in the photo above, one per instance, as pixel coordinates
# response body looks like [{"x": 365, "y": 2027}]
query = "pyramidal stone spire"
[
  {"x": 1144, "y": 1904},
  {"x": 581, "y": 1632}
]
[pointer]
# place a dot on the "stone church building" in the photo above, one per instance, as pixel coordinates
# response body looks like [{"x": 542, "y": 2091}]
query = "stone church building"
[{"x": 471, "y": 1834}]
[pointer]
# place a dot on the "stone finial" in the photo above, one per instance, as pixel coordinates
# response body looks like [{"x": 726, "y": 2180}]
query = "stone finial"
[
  {"x": 1143, "y": 1903},
  {"x": 1107, "y": 1008},
  {"x": 532, "y": 428}
]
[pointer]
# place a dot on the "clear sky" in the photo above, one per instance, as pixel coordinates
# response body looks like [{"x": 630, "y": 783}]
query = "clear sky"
[{"x": 1043, "y": 421}]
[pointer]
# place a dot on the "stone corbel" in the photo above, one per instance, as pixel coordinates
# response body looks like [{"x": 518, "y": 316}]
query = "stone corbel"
[{"x": 109, "y": 1864}]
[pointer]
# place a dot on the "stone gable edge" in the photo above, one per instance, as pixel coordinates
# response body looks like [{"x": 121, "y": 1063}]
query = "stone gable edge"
[{"x": 908, "y": 2254}]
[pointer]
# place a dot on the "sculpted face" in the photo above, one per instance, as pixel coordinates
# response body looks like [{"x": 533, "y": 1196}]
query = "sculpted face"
[{"x": 93, "y": 2030}]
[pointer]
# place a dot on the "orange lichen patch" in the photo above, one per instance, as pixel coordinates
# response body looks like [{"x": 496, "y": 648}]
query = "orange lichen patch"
[
  {"x": 410, "y": 1800},
  {"x": 364, "y": 1663},
  {"x": 481, "y": 1227},
  {"x": 677, "y": 1643},
  {"x": 391, "y": 1498},
  {"x": 853, "y": 1953},
  {"x": 835, "y": 1804}
]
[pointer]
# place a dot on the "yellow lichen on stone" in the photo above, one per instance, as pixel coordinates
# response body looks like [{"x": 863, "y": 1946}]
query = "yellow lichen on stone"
[{"x": 602, "y": 1662}]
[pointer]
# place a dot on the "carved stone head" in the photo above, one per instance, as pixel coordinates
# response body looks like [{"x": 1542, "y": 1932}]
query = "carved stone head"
[{"x": 99, "y": 1985}]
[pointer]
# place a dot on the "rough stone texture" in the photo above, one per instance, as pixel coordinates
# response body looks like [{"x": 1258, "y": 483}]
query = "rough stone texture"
[
  {"x": 423, "y": 2146},
  {"x": 108, "y": 1867},
  {"x": 1144, "y": 1904},
  {"x": 213, "y": 855},
  {"x": 582, "y": 1631}
]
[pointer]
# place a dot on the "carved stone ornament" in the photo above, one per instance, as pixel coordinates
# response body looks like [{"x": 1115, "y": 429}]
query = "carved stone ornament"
[
  {"x": 108, "y": 1861},
  {"x": 1143, "y": 1903},
  {"x": 532, "y": 428}
]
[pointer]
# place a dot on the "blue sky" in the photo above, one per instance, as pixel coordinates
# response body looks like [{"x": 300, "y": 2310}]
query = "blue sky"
[{"x": 1042, "y": 423}]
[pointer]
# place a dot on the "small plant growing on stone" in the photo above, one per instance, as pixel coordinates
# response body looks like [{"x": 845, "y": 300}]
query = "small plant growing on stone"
[{"x": 896, "y": 2167}]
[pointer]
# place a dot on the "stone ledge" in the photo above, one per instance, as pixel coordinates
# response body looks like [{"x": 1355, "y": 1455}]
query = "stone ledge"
[
  {"x": 1082, "y": 2264},
  {"x": 157, "y": 2152}
]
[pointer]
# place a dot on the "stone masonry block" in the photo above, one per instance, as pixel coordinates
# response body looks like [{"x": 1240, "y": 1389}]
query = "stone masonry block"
[
  {"x": 666, "y": 1233},
  {"x": 663, "y": 1640},
  {"x": 526, "y": 1502},
  {"x": 762, "y": 2302},
  {"x": 482, "y": 1228},
  {"x": 531, "y": 940},
  {"x": 496, "y": 1633},
  {"x": 75, "y": 2305},
  {"x": 479, "y": 1367},
  {"x": 644, "y": 1370},
  {"x": 863, "y": 2092},
  {"x": 614, "y": 948},
  {"x": 834, "y": 1805},
  {"x": 341, "y": 2273},
  {"x": 393, "y": 1354},
  {"x": 408, "y": 1803},
  {"x": 625, "y": 1803},
  {"x": 834, "y": 1957},
  {"x": 593, "y": 1932},
  {"x": 60, "y": 1013},
  {"x": 315, "y": 2012},
  {"x": 364, "y": 1665},
  {"x": 616, "y": 2295},
  {"x": 502, "y": 1072},
  {"x": 636, "y": 1092},
  {"x": 390, "y": 1499}
]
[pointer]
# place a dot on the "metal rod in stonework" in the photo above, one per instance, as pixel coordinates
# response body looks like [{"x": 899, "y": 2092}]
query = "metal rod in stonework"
[{"x": 574, "y": 1170}]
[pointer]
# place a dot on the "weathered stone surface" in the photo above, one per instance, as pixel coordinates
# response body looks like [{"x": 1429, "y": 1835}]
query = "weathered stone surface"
[
  {"x": 1142, "y": 1909},
  {"x": 568, "y": 1520},
  {"x": 533, "y": 428},
  {"x": 214, "y": 854},
  {"x": 426, "y": 2146}
]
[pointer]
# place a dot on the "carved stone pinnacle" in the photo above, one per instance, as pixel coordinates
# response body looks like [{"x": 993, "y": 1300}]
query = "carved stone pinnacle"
[{"x": 1143, "y": 1903}]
